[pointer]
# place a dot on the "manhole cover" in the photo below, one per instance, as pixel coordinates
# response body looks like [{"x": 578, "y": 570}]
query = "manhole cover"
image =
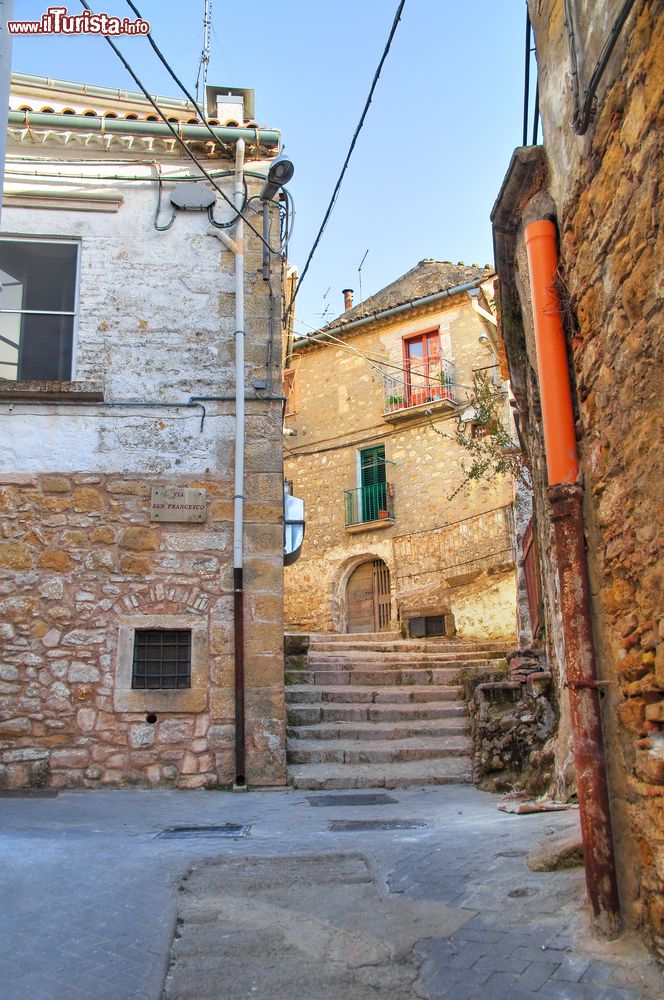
[
  {"x": 361, "y": 825},
  {"x": 519, "y": 893},
  {"x": 512, "y": 854},
  {"x": 231, "y": 830},
  {"x": 28, "y": 793},
  {"x": 375, "y": 799}
]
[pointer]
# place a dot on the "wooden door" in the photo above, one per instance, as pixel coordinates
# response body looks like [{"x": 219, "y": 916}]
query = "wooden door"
[
  {"x": 373, "y": 482},
  {"x": 368, "y": 598}
]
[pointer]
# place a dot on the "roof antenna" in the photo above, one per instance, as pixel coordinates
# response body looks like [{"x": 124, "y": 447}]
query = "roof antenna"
[
  {"x": 359, "y": 274},
  {"x": 201, "y": 78}
]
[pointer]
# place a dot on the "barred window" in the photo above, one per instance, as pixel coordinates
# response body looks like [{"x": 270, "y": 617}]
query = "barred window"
[{"x": 162, "y": 659}]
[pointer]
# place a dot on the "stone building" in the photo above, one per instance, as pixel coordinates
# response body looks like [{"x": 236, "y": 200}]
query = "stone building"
[
  {"x": 597, "y": 178},
  {"x": 374, "y": 401},
  {"x": 117, "y": 455}
]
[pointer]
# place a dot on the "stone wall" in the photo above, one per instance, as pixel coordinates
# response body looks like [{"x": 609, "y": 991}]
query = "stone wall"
[
  {"x": 603, "y": 188},
  {"x": 81, "y": 563},
  {"x": 338, "y": 410},
  {"x": 80, "y": 560}
]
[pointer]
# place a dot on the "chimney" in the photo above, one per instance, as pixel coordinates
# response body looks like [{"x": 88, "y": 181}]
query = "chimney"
[{"x": 348, "y": 298}]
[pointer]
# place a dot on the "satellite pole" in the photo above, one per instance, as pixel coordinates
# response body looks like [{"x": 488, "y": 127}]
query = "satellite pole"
[
  {"x": 201, "y": 79},
  {"x": 359, "y": 273}
]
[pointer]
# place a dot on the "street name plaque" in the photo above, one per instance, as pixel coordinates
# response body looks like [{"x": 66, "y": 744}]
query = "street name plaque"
[{"x": 177, "y": 504}]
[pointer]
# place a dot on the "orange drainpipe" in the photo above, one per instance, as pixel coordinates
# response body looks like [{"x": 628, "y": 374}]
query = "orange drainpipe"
[{"x": 565, "y": 495}]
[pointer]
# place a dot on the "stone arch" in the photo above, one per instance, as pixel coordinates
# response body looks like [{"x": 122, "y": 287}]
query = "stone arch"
[{"x": 343, "y": 574}]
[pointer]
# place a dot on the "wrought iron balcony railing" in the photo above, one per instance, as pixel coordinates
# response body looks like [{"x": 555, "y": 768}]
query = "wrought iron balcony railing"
[
  {"x": 369, "y": 503},
  {"x": 429, "y": 382}
]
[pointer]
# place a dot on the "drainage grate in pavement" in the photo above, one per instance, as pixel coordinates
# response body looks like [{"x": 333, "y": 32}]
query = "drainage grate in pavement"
[
  {"x": 370, "y": 799},
  {"x": 232, "y": 830},
  {"x": 362, "y": 825},
  {"x": 519, "y": 893},
  {"x": 512, "y": 854},
  {"x": 28, "y": 793}
]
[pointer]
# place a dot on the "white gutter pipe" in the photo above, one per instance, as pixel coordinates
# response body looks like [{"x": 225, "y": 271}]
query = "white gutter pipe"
[
  {"x": 238, "y": 497},
  {"x": 238, "y": 502}
]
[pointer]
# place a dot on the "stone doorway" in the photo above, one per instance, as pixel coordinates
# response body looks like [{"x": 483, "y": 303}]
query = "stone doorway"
[{"x": 368, "y": 606}]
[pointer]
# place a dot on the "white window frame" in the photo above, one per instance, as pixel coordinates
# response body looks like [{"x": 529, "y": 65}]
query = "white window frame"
[{"x": 72, "y": 241}]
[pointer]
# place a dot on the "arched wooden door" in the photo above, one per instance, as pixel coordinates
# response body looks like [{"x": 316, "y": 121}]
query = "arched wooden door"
[{"x": 368, "y": 598}]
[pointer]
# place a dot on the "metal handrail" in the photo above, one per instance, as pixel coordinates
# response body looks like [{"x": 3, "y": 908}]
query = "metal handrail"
[
  {"x": 429, "y": 382},
  {"x": 369, "y": 503}
]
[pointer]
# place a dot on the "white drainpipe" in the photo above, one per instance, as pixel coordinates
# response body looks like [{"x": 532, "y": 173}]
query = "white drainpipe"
[
  {"x": 238, "y": 503},
  {"x": 236, "y": 245}
]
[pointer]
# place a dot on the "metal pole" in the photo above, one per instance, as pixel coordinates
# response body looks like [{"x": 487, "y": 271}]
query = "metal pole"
[
  {"x": 6, "y": 14},
  {"x": 566, "y": 501},
  {"x": 526, "y": 86}
]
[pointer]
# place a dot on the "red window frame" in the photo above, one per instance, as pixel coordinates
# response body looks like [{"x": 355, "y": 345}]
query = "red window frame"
[{"x": 422, "y": 390}]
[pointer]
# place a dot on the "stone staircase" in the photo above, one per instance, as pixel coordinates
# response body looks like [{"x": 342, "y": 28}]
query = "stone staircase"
[{"x": 376, "y": 710}]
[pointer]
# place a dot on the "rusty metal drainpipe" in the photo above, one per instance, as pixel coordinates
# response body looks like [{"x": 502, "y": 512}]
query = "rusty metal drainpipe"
[{"x": 565, "y": 495}]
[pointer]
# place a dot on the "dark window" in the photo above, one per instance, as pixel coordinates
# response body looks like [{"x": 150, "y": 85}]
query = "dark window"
[
  {"x": 37, "y": 309},
  {"x": 421, "y": 628},
  {"x": 162, "y": 659}
]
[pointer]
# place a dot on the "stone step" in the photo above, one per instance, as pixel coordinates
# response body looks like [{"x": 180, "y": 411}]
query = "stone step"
[
  {"x": 310, "y": 714},
  {"x": 413, "y": 646},
  {"x": 403, "y": 774},
  {"x": 379, "y": 678},
  {"x": 375, "y": 751},
  {"x": 356, "y": 637},
  {"x": 356, "y": 657},
  {"x": 380, "y": 729},
  {"x": 356, "y": 694}
]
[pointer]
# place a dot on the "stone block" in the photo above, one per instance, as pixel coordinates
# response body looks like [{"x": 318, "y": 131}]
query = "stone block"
[
  {"x": 655, "y": 713},
  {"x": 83, "y": 673},
  {"x": 10, "y": 728},
  {"x": 52, "y": 638},
  {"x": 69, "y": 758},
  {"x": 85, "y": 719},
  {"x": 15, "y": 555},
  {"x": 83, "y": 637},
  {"x": 175, "y": 730},
  {"x": 141, "y": 735},
  {"x": 55, "y": 559},
  {"x": 86, "y": 499},
  {"x": 103, "y": 534},
  {"x": 133, "y": 565},
  {"x": 55, "y": 484},
  {"x": 139, "y": 539},
  {"x": 633, "y": 714}
]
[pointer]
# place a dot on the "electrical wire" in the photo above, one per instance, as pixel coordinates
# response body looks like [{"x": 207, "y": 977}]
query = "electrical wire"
[
  {"x": 337, "y": 186},
  {"x": 582, "y": 116},
  {"x": 199, "y": 111},
  {"x": 178, "y": 138}
]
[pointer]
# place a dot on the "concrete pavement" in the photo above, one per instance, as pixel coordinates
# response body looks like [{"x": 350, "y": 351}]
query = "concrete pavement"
[{"x": 92, "y": 882}]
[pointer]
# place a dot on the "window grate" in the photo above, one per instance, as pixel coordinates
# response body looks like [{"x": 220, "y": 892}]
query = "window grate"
[{"x": 162, "y": 659}]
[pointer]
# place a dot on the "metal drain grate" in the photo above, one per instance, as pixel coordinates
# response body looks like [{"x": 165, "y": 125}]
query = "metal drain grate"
[
  {"x": 229, "y": 830},
  {"x": 28, "y": 793},
  {"x": 367, "y": 825},
  {"x": 512, "y": 854},
  {"x": 369, "y": 799}
]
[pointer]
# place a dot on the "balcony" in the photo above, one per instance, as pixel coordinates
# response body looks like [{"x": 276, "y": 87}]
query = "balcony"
[
  {"x": 428, "y": 384},
  {"x": 369, "y": 507}
]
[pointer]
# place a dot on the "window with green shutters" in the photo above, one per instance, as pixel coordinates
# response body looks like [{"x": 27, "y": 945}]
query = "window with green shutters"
[{"x": 373, "y": 482}]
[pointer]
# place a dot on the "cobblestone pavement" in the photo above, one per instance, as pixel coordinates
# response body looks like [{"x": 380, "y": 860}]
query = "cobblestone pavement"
[{"x": 88, "y": 896}]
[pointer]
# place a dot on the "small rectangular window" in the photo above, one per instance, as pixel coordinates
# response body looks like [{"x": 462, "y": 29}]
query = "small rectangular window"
[
  {"x": 422, "y": 628},
  {"x": 162, "y": 659},
  {"x": 37, "y": 309}
]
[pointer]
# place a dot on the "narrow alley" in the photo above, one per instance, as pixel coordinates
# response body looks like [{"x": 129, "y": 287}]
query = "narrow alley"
[{"x": 410, "y": 893}]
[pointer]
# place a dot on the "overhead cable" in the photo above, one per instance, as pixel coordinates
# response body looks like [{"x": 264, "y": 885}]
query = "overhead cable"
[
  {"x": 178, "y": 138},
  {"x": 337, "y": 186}
]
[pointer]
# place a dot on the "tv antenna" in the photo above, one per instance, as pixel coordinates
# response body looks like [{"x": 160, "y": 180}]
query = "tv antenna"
[
  {"x": 359, "y": 273},
  {"x": 201, "y": 79}
]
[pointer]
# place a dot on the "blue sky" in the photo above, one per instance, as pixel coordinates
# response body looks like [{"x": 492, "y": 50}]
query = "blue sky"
[{"x": 436, "y": 144}]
